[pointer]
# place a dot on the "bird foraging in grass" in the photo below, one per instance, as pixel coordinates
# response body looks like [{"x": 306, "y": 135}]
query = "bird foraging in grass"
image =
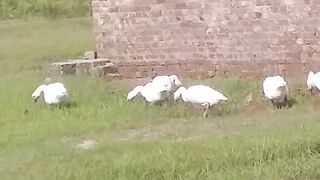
[
  {"x": 313, "y": 82},
  {"x": 200, "y": 95},
  {"x": 53, "y": 93},
  {"x": 152, "y": 92},
  {"x": 275, "y": 89}
]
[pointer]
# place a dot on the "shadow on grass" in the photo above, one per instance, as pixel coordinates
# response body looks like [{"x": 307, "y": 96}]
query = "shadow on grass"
[
  {"x": 70, "y": 104},
  {"x": 67, "y": 105},
  {"x": 291, "y": 102},
  {"x": 283, "y": 105}
]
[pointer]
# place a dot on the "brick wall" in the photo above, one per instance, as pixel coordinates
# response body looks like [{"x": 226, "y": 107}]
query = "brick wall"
[{"x": 253, "y": 37}]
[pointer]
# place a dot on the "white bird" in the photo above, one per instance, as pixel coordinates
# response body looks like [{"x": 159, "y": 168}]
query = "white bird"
[
  {"x": 200, "y": 95},
  {"x": 275, "y": 88},
  {"x": 313, "y": 82},
  {"x": 53, "y": 93},
  {"x": 172, "y": 83},
  {"x": 152, "y": 92}
]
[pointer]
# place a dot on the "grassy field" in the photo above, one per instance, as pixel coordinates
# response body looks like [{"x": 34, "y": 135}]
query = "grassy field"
[
  {"x": 49, "y": 9},
  {"x": 135, "y": 141}
]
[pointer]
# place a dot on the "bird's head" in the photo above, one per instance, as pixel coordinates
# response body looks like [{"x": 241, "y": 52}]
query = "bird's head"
[
  {"x": 37, "y": 93},
  {"x": 178, "y": 93},
  {"x": 135, "y": 92},
  {"x": 175, "y": 80},
  {"x": 35, "y": 97}
]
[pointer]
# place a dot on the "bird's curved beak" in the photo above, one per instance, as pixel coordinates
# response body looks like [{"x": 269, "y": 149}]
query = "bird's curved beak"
[{"x": 35, "y": 99}]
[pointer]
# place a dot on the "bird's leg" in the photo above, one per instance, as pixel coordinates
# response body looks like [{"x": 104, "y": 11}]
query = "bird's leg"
[
  {"x": 273, "y": 103},
  {"x": 167, "y": 100},
  {"x": 279, "y": 104},
  {"x": 312, "y": 91},
  {"x": 286, "y": 101},
  {"x": 205, "y": 112}
]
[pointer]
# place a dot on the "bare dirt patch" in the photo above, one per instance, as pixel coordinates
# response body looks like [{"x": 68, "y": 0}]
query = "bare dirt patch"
[
  {"x": 254, "y": 108},
  {"x": 87, "y": 144}
]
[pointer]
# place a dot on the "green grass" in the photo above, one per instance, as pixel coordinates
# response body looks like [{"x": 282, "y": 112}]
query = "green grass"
[
  {"x": 137, "y": 141},
  {"x": 25, "y": 9}
]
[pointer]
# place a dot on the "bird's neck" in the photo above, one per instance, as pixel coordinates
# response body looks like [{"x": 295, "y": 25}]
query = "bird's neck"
[
  {"x": 41, "y": 88},
  {"x": 184, "y": 95},
  {"x": 138, "y": 90}
]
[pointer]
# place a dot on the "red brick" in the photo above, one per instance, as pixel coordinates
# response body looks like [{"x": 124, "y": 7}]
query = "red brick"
[
  {"x": 180, "y": 6},
  {"x": 160, "y": 1},
  {"x": 243, "y": 35}
]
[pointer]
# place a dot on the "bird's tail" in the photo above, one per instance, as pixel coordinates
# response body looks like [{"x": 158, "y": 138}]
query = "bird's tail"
[
  {"x": 63, "y": 96},
  {"x": 223, "y": 98},
  {"x": 311, "y": 79},
  {"x": 283, "y": 89}
]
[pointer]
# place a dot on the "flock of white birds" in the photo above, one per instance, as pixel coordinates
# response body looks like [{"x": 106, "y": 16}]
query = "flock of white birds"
[{"x": 162, "y": 88}]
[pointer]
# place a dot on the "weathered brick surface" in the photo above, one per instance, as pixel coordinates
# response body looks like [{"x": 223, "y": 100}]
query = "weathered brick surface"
[
  {"x": 92, "y": 66},
  {"x": 209, "y": 69},
  {"x": 201, "y": 69},
  {"x": 248, "y": 37}
]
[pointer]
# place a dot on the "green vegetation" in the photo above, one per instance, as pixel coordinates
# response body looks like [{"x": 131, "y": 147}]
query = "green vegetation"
[
  {"x": 43, "y": 8},
  {"x": 136, "y": 141}
]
